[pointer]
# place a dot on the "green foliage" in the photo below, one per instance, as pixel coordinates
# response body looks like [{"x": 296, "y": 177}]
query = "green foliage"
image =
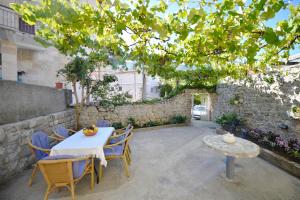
[
  {"x": 296, "y": 109},
  {"x": 165, "y": 90},
  {"x": 78, "y": 70},
  {"x": 212, "y": 40},
  {"x": 151, "y": 124},
  {"x": 178, "y": 119},
  {"x": 235, "y": 100},
  {"x": 117, "y": 125},
  {"x": 228, "y": 119},
  {"x": 146, "y": 101},
  {"x": 132, "y": 121},
  {"x": 197, "y": 99},
  {"x": 269, "y": 79},
  {"x": 106, "y": 94}
]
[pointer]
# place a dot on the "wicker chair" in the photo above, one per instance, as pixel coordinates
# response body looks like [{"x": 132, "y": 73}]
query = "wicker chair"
[
  {"x": 119, "y": 150},
  {"x": 61, "y": 132},
  {"x": 120, "y": 134},
  {"x": 40, "y": 148},
  {"x": 65, "y": 171},
  {"x": 103, "y": 123}
]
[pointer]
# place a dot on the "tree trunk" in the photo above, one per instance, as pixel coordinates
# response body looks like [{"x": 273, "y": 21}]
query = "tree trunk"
[{"x": 77, "y": 106}]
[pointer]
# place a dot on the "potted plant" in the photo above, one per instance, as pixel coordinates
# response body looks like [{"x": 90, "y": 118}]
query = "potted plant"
[{"x": 58, "y": 85}]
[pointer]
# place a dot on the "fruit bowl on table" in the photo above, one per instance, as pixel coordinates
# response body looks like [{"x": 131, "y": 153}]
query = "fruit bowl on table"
[{"x": 90, "y": 131}]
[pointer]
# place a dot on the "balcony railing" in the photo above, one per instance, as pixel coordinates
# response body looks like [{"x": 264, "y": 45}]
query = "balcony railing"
[
  {"x": 26, "y": 28},
  {"x": 8, "y": 18},
  {"x": 12, "y": 21}
]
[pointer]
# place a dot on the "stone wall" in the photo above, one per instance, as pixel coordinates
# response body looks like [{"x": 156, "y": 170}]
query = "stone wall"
[
  {"x": 23, "y": 101},
  {"x": 263, "y": 102},
  {"x": 143, "y": 112},
  {"x": 15, "y": 154}
]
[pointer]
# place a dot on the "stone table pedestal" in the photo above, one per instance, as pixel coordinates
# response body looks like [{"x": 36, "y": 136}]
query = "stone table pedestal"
[{"x": 240, "y": 149}]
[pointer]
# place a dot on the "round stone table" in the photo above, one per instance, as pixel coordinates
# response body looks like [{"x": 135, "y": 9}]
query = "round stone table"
[{"x": 240, "y": 149}]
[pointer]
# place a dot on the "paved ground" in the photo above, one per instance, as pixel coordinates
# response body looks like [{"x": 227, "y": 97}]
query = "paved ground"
[{"x": 172, "y": 163}]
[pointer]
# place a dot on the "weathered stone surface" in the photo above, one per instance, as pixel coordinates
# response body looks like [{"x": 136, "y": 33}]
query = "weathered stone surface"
[
  {"x": 281, "y": 162},
  {"x": 2, "y": 136},
  {"x": 15, "y": 154},
  {"x": 261, "y": 104},
  {"x": 143, "y": 113}
]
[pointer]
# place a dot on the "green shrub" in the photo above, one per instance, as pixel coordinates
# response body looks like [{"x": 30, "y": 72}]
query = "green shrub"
[
  {"x": 178, "y": 119},
  {"x": 165, "y": 90},
  {"x": 132, "y": 121},
  {"x": 151, "y": 123},
  {"x": 270, "y": 80},
  {"x": 229, "y": 119},
  {"x": 117, "y": 125}
]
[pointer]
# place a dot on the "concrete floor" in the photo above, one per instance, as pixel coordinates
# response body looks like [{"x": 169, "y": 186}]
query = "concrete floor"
[{"x": 172, "y": 163}]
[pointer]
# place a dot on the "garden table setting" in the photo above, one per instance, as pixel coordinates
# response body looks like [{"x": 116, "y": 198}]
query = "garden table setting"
[
  {"x": 232, "y": 147},
  {"x": 81, "y": 145}
]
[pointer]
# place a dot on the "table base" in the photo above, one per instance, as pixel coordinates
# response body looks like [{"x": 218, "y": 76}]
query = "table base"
[{"x": 230, "y": 162}]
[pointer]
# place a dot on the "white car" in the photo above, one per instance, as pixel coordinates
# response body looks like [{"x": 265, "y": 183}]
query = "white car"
[{"x": 199, "y": 111}]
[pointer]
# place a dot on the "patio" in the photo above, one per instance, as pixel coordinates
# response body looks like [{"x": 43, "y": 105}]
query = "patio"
[{"x": 171, "y": 163}]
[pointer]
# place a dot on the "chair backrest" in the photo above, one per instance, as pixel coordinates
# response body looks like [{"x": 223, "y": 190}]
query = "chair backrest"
[
  {"x": 61, "y": 131},
  {"x": 128, "y": 127},
  {"x": 123, "y": 135},
  {"x": 56, "y": 171},
  {"x": 62, "y": 169},
  {"x": 128, "y": 130},
  {"x": 41, "y": 140},
  {"x": 103, "y": 123},
  {"x": 127, "y": 140}
]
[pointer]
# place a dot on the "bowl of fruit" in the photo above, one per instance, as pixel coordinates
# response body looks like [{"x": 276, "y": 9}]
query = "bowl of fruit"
[{"x": 90, "y": 131}]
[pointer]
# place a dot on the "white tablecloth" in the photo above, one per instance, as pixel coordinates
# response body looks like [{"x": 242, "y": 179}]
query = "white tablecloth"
[{"x": 81, "y": 145}]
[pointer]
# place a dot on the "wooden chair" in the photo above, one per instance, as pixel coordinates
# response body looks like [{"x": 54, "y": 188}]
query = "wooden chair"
[
  {"x": 62, "y": 133},
  {"x": 65, "y": 172},
  {"x": 118, "y": 150},
  {"x": 120, "y": 134},
  {"x": 40, "y": 148}
]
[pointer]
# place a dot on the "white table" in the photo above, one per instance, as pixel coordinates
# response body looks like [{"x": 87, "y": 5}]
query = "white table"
[
  {"x": 81, "y": 145},
  {"x": 240, "y": 149}
]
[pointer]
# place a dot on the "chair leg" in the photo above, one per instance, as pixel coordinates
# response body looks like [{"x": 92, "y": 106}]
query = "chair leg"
[
  {"x": 32, "y": 175},
  {"x": 47, "y": 192},
  {"x": 92, "y": 175},
  {"x": 129, "y": 150},
  {"x": 72, "y": 191},
  {"x": 127, "y": 154},
  {"x": 125, "y": 166}
]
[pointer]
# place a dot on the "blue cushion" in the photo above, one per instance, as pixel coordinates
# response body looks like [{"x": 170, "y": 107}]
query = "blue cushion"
[
  {"x": 103, "y": 123},
  {"x": 115, "y": 151},
  {"x": 121, "y": 137},
  {"x": 62, "y": 131},
  {"x": 116, "y": 139},
  {"x": 40, "y": 139},
  {"x": 78, "y": 166}
]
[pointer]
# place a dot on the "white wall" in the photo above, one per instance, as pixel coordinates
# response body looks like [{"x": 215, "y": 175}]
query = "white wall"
[
  {"x": 130, "y": 81},
  {"x": 9, "y": 60},
  {"x": 151, "y": 90}
]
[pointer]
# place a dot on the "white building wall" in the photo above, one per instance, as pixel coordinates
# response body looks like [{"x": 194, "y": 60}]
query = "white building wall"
[
  {"x": 130, "y": 81},
  {"x": 9, "y": 66},
  {"x": 152, "y": 87}
]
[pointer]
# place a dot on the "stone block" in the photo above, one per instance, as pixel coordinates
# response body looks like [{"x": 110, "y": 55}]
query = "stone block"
[{"x": 2, "y": 136}]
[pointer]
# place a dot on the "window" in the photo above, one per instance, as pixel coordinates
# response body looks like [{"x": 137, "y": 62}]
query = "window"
[{"x": 120, "y": 88}]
